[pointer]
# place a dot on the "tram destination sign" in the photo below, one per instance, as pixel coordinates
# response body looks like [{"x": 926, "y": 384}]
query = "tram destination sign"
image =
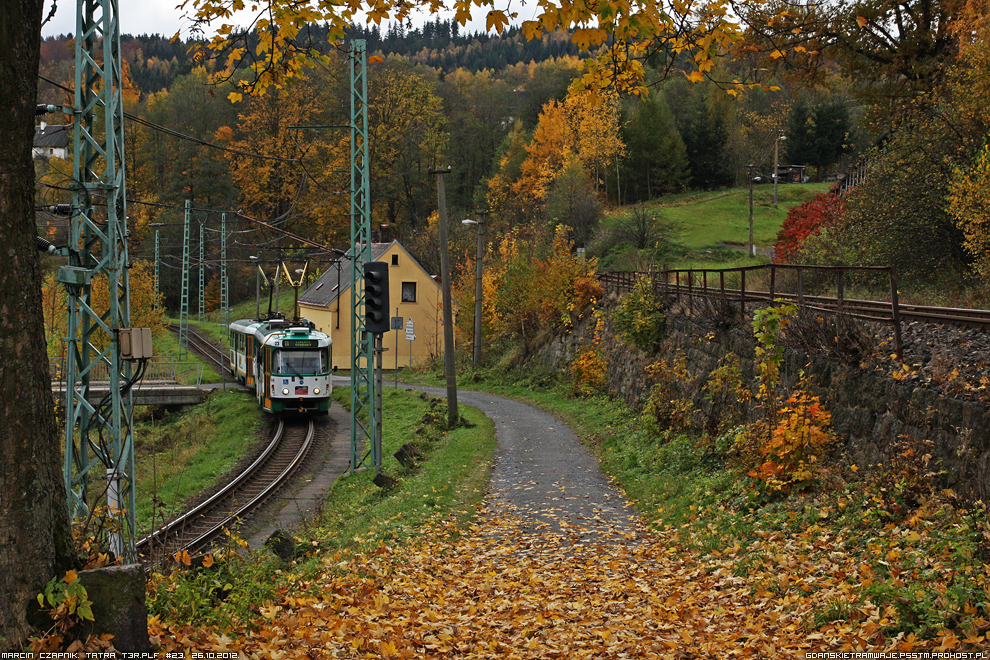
[{"x": 300, "y": 343}]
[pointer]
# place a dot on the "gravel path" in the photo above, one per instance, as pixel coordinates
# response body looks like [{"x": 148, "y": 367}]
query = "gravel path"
[{"x": 544, "y": 476}]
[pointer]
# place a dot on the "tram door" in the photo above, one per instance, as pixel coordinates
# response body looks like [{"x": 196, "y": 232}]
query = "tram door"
[{"x": 249, "y": 361}]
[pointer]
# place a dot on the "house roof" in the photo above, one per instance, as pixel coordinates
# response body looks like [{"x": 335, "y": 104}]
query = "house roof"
[
  {"x": 327, "y": 287},
  {"x": 52, "y": 136}
]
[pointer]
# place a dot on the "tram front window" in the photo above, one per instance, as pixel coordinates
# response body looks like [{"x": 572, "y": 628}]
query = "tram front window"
[{"x": 299, "y": 363}]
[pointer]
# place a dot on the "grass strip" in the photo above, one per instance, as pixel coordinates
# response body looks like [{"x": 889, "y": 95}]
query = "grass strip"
[{"x": 185, "y": 453}]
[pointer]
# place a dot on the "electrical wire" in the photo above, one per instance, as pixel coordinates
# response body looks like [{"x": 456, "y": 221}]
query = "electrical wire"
[{"x": 181, "y": 136}]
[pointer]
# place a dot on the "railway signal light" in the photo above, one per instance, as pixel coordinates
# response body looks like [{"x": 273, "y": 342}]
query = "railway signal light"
[{"x": 376, "y": 319}]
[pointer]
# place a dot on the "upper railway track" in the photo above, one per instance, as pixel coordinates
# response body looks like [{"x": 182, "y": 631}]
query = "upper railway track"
[{"x": 807, "y": 286}]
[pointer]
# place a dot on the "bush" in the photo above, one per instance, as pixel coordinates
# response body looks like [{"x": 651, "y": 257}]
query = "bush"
[
  {"x": 641, "y": 317},
  {"x": 804, "y": 220}
]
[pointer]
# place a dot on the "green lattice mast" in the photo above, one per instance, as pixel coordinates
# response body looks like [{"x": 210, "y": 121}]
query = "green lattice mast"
[
  {"x": 99, "y": 441},
  {"x": 363, "y": 418}
]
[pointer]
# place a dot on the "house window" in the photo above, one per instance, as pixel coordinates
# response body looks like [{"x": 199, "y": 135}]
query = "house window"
[
  {"x": 395, "y": 260},
  {"x": 408, "y": 292}
]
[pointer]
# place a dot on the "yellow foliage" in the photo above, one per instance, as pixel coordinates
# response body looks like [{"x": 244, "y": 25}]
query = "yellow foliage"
[{"x": 146, "y": 309}]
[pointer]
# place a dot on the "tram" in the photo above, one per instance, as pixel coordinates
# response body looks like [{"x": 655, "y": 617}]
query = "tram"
[{"x": 285, "y": 363}]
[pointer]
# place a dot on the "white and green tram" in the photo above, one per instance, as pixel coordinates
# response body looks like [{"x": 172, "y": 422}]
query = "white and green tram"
[{"x": 285, "y": 363}]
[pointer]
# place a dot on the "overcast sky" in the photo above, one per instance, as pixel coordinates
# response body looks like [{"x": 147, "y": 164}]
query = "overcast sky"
[
  {"x": 157, "y": 17},
  {"x": 136, "y": 17}
]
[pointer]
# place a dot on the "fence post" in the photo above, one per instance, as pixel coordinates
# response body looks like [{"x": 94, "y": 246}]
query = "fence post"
[
  {"x": 773, "y": 280},
  {"x": 839, "y": 285},
  {"x": 895, "y": 313},
  {"x": 690, "y": 275},
  {"x": 742, "y": 295},
  {"x": 800, "y": 286}
]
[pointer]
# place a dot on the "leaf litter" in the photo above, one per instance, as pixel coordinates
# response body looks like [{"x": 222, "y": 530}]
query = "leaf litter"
[{"x": 515, "y": 588}]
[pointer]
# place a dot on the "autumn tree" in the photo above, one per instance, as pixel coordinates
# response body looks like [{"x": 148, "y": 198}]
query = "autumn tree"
[
  {"x": 584, "y": 128},
  {"x": 529, "y": 287},
  {"x": 408, "y": 136},
  {"x": 572, "y": 202},
  {"x": 594, "y": 120},
  {"x": 895, "y": 49},
  {"x": 621, "y": 36},
  {"x": 34, "y": 521},
  {"x": 818, "y": 136},
  {"x": 553, "y": 142},
  {"x": 969, "y": 200},
  {"x": 656, "y": 160}
]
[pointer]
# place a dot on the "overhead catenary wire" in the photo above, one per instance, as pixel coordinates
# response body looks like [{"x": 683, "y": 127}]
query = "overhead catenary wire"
[{"x": 181, "y": 136}]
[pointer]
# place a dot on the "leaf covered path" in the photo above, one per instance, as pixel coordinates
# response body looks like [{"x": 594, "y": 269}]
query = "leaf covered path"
[{"x": 556, "y": 568}]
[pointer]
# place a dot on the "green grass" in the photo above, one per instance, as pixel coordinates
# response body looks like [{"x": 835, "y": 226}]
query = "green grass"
[
  {"x": 448, "y": 485},
  {"x": 711, "y": 229},
  {"x": 191, "y": 366},
  {"x": 711, "y": 220},
  {"x": 442, "y": 493},
  {"x": 185, "y": 453}
]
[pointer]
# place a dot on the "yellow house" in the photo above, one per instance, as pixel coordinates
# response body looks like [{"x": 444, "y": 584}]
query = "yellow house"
[{"x": 413, "y": 295}]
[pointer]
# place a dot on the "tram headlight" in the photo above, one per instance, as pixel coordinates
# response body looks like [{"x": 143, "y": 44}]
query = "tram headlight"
[
  {"x": 285, "y": 390},
  {"x": 316, "y": 390}
]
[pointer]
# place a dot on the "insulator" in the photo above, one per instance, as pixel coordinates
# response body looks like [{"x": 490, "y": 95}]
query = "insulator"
[
  {"x": 43, "y": 245},
  {"x": 41, "y": 109},
  {"x": 60, "y": 209}
]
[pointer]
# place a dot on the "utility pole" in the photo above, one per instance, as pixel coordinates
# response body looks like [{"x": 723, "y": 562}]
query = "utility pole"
[
  {"x": 448, "y": 315},
  {"x": 224, "y": 283},
  {"x": 752, "y": 247},
  {"x": 478, "y": 289},
  {"x": 776, "y": 165},
  {"x": 158, "y": 259}
]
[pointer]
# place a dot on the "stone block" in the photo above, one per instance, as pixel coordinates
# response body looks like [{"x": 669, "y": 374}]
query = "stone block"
[{"x": 119, "y": 609}]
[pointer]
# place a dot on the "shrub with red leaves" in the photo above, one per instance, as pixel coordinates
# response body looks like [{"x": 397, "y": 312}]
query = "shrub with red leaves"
[{"x": 804, "y": 220}]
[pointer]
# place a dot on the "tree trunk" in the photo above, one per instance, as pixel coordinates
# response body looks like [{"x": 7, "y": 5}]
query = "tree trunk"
[{"x": 34, "y": 524}]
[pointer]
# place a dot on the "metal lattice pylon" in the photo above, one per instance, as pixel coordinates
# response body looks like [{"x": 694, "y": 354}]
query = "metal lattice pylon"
[
  {"x": 99, "y": 426},
  {"x": 158, "y": 259},
  {"x": 364, "y": 421},
  {"x": 224, "y": 296},
  {"x": 202, "y": 276},
  {"x": 184, "y": 302}
]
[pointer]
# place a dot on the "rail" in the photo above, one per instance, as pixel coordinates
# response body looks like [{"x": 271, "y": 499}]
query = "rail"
[
  {"x": 206, "y": 350},
  {"x": 789, "y": 282},
  {"x": 239, "y": 495}
]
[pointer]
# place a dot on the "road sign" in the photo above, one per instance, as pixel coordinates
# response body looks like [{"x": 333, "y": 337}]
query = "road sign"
[
  {"x": 396, "y": 323},
  {"x": 410, "y": 330}
]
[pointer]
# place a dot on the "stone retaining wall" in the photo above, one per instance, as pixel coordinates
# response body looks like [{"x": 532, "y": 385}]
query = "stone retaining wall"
[{"x": 870, "y": 410}]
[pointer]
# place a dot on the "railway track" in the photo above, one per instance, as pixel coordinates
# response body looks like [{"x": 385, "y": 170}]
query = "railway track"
[
  {"x": 882, "y": 311},
  {"x": 199, "y": 528},
  {"x": 205, "y": 349},
  {"x": 869, "y": 310}
]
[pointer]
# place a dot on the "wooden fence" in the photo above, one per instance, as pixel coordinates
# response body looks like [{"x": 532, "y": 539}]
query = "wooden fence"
[{"x": 803, "y": 285}]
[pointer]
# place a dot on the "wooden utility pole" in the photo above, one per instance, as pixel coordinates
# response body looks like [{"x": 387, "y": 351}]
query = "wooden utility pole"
[
  {"x": 448, "y": 314},
  {"x": 749, "y": 173}
]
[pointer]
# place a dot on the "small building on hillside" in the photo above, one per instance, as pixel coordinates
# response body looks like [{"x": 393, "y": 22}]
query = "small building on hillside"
[
  {"x": 51, "y": 141},
  {"x": 413, "y": 295}
]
